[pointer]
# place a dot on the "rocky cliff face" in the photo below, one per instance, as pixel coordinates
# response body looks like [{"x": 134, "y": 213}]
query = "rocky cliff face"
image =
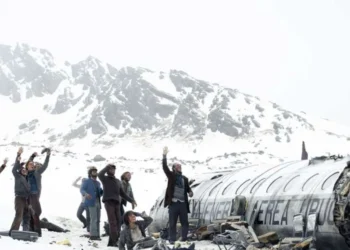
[{"x": 95, "y": 99}]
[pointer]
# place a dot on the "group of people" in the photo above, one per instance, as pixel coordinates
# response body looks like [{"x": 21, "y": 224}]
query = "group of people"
[
  {"x": 102, "y": 187},
  {"x": 27, "y": 176},
  {"x": 113, "y": 193},
  {"x": 124, "y": 229}
]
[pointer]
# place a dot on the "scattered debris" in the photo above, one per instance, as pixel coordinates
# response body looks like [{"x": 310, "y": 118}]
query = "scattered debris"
[
  {"x": 65, "y": 242},
  {"x": 235, "y": 233}
]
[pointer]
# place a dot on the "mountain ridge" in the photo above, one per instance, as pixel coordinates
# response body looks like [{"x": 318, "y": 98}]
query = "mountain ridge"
[{"x": 93, "y": 102}]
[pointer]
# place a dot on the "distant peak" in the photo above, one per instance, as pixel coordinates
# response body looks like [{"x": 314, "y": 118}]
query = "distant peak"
[{"x": 93, "y": 59}]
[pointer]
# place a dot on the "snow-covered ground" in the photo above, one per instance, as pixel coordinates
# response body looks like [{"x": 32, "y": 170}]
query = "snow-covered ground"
[{"x": 60, "y": 199}]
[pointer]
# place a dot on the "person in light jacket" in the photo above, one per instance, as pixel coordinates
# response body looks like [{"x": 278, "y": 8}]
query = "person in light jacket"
[
  {"x": 82, "y": 208},
  {"x": 92, "y": 191},
  {"x": 125, "y": 180}
]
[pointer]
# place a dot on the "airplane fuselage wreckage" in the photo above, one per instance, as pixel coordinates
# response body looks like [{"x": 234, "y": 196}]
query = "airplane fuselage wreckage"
[{"x": 293, "y": 199}]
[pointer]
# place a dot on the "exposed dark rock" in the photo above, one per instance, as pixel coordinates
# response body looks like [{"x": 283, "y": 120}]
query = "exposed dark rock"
[
  {"x": 258, "y": 107},
  {"x": 23, "y": 126},
  {"x": 98, "y": 158}
]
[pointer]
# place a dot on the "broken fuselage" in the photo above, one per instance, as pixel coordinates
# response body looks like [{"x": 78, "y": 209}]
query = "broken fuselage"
[{"x": 274, "y": 194}]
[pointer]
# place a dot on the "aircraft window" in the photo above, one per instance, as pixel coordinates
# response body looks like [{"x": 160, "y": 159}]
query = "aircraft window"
[
  {"x": 256, "y": 185},
  {"x": 216, "y": 176},
  {"x": 214, "y": 188},
  {"x": 274, "y": 184},
  {"x": 290, "y": 183},
  {"x": 310, "y": 182},
  {"x": 161, "y": 202},
  {"x": 226, "y": 188},
  {"x": 330, "y": 180},
  {"x": 240, "y": 188},
  {"x": 195, "y": 185}
]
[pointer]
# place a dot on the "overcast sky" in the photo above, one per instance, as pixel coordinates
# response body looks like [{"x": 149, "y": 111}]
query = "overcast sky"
[{"x": 295, "y": 53}]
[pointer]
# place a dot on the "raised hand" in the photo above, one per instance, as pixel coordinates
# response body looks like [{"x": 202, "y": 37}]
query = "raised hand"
[
  {"x": 46, "y": 150},
  {"x": 20, "y": 150},
  {"x": 6, "y": 160},
  {"x": 165, "y": 150}
]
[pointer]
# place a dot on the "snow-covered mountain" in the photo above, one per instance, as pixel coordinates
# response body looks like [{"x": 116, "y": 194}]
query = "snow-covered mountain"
[{"x": 94, "y": 108}]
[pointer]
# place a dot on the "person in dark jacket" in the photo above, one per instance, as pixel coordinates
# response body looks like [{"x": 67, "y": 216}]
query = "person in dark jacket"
[
  {"x": 27, "y": 222},
  {"x": 125, "y": 179},
  {"x": 134, "y": 232},
  {"x": 34, "y": 179},
  {"x": 92, "y": 191},
  {"x": 82, "y": 208},
  {"x": 22, "y": 190},
  {"x": 44, "y": 223},
  {"x": 176, "y": 197},
  {"x": 36, "y": 169},
  {"x": 112, "y": 191},
  {"x": 3, "y": 166}
]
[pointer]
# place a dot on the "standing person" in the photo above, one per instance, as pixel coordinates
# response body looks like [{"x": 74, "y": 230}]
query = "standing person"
[
  {"x": 92, "y": 191},
  {"x": 176, "y": 198},
  {"x": 81, "y": 208},
  {"x": 27, "y": 222},
  {"x": 37, "y": 169},
  {"x": 112, "y": 190},
  {"x": 125, "y": 179},
  {"x": 22, "y": 190},
  {"x": 34, "y": 179},
  {"x": 3, "y": 166}
]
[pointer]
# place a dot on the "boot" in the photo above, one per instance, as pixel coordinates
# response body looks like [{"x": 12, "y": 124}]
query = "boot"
[
  {"x": 95, "y": 238},
  {"x": 113, "y": 238},
  {"x": 38, "y": 230}
]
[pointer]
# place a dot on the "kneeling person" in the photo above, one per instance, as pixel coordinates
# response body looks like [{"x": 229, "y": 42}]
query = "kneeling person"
[{"x": 134, "y": 232}]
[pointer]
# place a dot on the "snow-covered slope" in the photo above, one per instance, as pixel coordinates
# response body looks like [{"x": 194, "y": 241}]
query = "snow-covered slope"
[{"x": 92, "y": 107}]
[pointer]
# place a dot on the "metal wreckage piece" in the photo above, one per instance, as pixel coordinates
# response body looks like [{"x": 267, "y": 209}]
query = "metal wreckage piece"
[{"x": 294, "y": 205}]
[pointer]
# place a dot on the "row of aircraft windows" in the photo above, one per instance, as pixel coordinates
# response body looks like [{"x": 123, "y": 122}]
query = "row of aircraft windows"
[{"x": 309, "y": 183}]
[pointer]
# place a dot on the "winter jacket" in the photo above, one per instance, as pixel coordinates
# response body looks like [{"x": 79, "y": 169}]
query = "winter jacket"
[
  {"x": 171, "y": 175},
  {"x": 22, "y": 188},
  {"x": 93, "y": 188},
  {"x": 125, "y": 234},
  {"x": 128, "y": 190},
  {"x": 112, "y": 187},
  {"x": 38, "y": 172},
  {"x": 3, "y": 166}
]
